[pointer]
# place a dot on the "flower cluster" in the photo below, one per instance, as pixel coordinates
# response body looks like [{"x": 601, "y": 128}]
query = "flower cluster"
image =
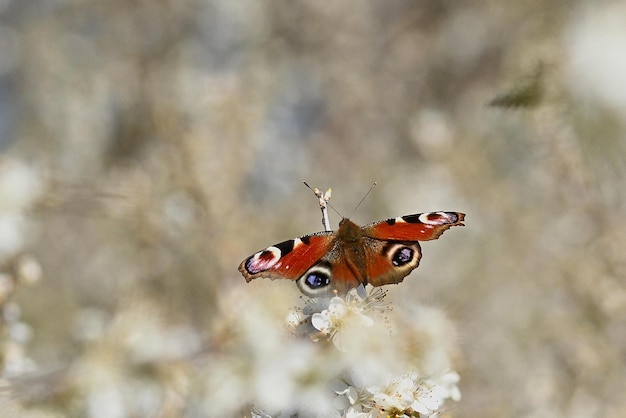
[
  {"x": 361, "y": 333},
  {"x": 408, "y": 395},
  {"x": 336, "y": 317}
]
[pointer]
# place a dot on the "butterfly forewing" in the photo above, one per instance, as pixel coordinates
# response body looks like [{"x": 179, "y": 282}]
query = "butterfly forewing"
[
  {"x": 288, "y": 260},
  {"x": 418, "y": 227}
]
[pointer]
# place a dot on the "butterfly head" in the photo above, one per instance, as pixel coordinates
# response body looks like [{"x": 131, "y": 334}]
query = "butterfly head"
[{"x": 349, "y": 231}]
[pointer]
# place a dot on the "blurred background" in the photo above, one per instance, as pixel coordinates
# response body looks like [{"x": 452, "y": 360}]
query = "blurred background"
[{"x": 146, "y": 148}]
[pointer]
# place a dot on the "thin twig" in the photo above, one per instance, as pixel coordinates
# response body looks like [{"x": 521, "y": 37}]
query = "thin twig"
[{"x": 323, "y": 202}]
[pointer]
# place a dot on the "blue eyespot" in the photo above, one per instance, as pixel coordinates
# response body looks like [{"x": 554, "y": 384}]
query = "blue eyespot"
[
  {"x": 403, "y": 256},
  {"x": 317, "y": 279}
]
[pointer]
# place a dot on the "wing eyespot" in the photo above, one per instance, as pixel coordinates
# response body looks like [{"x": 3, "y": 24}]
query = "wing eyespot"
[
  {"x": 316, "y": 281},
  {"x": 402, "y": 256}
]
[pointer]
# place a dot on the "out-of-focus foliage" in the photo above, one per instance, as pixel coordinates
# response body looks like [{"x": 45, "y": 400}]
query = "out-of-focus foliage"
[{"x": 147, "y": 147}]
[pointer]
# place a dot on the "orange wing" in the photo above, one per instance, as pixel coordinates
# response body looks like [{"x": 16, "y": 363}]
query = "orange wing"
[
  {"x": 288, "y": 260},
  {"x": 393, "y": 245},
  {"x": 418, "y": 227}
]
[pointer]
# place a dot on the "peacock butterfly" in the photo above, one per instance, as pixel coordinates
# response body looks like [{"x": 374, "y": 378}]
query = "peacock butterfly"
[{"x": 331, "y": 262}]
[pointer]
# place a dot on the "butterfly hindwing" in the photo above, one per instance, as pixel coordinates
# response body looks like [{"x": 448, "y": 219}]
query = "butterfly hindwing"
[{"x": 392, "y": 262}]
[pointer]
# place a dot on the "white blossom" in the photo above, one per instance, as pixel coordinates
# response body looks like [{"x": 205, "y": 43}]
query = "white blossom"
[
  {"x": 347, "y": 314},
  {"x": 410, "y": 393}
]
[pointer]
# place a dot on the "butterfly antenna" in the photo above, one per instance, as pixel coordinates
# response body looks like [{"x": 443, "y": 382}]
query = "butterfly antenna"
[
  {"x": 323, "y": 202},
  {"x": 363, "y": 198}
]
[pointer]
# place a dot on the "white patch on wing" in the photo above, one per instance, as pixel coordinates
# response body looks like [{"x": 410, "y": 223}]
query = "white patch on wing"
[
  {"x": 441, "y": 219},
  {"x": 256, "y": 264}
]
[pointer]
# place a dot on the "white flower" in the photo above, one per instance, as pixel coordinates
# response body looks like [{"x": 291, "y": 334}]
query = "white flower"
[
  {"x": 358, "y": 399},
  {"x": 351, "y": 393},
  {"x": 445, "y": 386},
  {"x": 346, "y": 315},
  {"x": 258, "y": 413},
  {"x": 330, "y": 319},
  {"x": 410, "y": 393},
  {"x": 397, "y": 395}
]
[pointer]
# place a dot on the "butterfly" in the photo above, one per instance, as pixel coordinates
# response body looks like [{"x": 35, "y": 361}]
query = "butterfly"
[{"x": 333, "y": 262}]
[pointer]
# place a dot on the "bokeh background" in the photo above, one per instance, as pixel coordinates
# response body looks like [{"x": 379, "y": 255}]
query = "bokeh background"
[{"x": 146, "y": 148}]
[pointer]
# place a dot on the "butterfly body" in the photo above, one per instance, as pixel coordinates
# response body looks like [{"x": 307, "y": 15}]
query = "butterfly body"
[{"x": 331, "y": 262}]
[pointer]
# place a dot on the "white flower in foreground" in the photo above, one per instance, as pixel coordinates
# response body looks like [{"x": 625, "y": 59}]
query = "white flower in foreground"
[
  {"x": 340, "y": 315},
  {"x": 411, "y": 394},
  {"x": 257, "y": 413},
  {"x": 358, "y": 399},
  {"x": 350, "y": 393},
  {"x": 285, "y": 374},
  {"x": 324, "y": 317},
  {"x": 445, "y": 386}
]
